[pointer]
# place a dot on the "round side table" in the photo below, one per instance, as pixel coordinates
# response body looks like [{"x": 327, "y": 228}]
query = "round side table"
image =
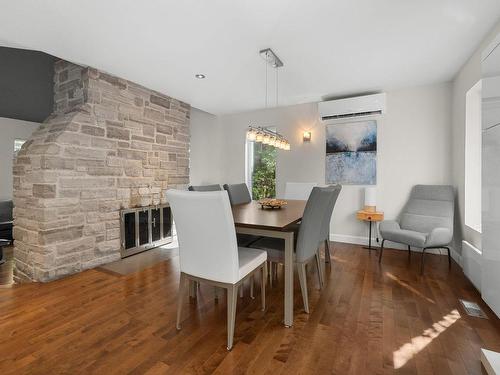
[{"x": 370, "y": 217}]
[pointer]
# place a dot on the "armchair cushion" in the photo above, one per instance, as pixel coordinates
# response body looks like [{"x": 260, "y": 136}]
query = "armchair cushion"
[
  {"x": 439, "y": 237},
  {"x": 391, "y": 231}
]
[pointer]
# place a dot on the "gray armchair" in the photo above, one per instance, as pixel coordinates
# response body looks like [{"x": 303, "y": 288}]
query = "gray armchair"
[{"x": 426, "y": 221}]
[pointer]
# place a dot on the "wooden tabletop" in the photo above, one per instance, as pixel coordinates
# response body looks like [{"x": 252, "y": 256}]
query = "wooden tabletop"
[{"x": 251, "y": 215}]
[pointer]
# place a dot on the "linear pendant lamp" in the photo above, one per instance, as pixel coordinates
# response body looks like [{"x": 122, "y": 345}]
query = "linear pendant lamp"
[{"x": 258, "y": 133}]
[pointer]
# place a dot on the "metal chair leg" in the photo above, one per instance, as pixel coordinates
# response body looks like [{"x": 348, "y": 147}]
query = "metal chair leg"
[
  {"x": 381, "y": 251},
  {"x": 327, "y": 251},
  {"x": 263, "y": 285},
  {"x": 270, "y": 274},
  {"x": 449, "y": 256},
  {"x": 232, "y": 297},
  {"x": 251, "y": 287},
  {"x": 301, "y": 268},
  {"x": 319, "y": 270},
  {"x": 422, "y": 261},
  {"x": 180, "y": 297}
]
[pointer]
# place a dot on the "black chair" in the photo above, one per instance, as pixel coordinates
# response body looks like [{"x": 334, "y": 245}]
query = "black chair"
[
  {"x": 6, "y": 220},
  {"x": 6, "y": 224}
]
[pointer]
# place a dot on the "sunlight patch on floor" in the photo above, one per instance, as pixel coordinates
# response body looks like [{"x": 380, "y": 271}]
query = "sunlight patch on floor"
[
  {"x": 418, "y": 343},
  {"x": 409, "y": 287}
]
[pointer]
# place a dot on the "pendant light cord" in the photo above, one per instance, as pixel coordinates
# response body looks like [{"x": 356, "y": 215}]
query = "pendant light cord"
[
  {"x": 266, "y": 62},
  {"x": 276, "y": 69}
]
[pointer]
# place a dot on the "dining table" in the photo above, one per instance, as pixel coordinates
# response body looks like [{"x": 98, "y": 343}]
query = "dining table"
[{"x": 251, "y": 218}]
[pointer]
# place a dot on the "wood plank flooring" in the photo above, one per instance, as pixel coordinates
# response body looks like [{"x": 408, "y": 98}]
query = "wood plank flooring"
[{"x": 369, "y": 319}]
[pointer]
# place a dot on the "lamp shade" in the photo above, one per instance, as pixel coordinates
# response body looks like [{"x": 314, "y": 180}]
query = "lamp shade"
[{"x": 370, "y": 198}]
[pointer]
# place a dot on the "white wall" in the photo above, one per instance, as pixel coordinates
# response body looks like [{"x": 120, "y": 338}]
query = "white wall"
[
  {"x": 205, "y": 150},
  {"x": 413, "y": 147},
  {"x": 11, "y": 129},
  {"x": 467, "y": 77}
]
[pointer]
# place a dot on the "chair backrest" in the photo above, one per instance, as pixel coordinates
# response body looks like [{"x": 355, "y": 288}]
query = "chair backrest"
[
  {"x": 299, "y": 190},
  {"x": 215, "y": 187},
  {"x": 429, "y": 207},
  {"x": 206, "y": 234},
  {"x": 238, "y": 193},
  {"x": 310, "y": 230},
  {"x": 325, "y": 225}
]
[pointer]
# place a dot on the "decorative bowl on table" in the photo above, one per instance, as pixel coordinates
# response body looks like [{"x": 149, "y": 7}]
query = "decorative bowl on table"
[{"x": 272, "y": 203}]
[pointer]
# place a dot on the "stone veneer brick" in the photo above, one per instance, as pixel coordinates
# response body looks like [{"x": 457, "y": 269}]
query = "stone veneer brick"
[{"x": 110, "y": 144}]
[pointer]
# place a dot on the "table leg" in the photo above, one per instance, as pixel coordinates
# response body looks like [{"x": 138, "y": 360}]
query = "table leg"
[
  {"x": 370, "y": 237},
  {"x": 289, "y": 279},
  {"x": 369, "y": 247}
]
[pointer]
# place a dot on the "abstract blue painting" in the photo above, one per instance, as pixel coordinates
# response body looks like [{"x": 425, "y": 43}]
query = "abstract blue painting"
[{"x": 351, "y": 153}]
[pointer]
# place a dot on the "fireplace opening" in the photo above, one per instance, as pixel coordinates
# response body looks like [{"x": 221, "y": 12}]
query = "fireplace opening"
[{"x": 145, "y": 228}]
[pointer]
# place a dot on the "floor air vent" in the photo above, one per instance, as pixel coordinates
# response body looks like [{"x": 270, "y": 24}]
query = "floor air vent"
[{"x": 473, "y": 309}]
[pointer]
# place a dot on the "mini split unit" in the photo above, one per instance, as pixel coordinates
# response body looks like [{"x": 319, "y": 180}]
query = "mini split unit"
[{"x": 367, "y": 105}]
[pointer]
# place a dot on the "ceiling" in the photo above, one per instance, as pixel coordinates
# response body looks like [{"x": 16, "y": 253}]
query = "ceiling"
[{"x": 329, "y": 48}]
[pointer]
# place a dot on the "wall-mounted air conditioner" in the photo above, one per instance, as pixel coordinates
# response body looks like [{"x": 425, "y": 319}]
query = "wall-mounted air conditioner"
[{"x": 367, "y": 105}]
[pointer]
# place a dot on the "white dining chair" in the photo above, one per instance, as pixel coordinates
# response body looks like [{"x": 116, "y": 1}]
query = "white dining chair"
[
  {"x": 299, "y": 190},
  {"x": 208, "y": 251}
]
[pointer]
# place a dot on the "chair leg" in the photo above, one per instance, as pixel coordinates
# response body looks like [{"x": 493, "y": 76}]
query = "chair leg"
[
  {"x": 241, "y": 291},
  {"x": 301, "y": 268},
  {"x": 251, "y": 287},
  {"x": 232, "y": 297},
  {"x": 449, "y": 256},
  {"x": 409, "y": 251},
  {"x": 422, "y": 261},
  {"x": 193, "y": 289},
  {"x": 381, "y": 251},
  {"x": 270, "y": 274},
  {"x": 327, "y": 251},
  {"x": 263, "y": 272},
  {"x": 180, "y": 295},
  {"x": 320, "y": 270}
]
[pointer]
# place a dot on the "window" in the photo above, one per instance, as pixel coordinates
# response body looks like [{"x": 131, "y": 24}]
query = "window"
[
  {"x": 18, "y": 143},
  {"x": 261, "y": 169},
  {"x": 473, "y": 144}
]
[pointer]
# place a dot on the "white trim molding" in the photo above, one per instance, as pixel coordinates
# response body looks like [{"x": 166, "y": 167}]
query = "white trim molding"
[{"x": 360, "y": 240}]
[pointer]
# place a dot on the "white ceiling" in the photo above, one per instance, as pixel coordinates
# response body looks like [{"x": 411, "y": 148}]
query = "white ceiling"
[{"x": 329, "y": 47}]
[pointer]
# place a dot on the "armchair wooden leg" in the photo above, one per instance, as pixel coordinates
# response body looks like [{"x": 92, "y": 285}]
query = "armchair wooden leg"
[
  {"x": 301, "y": 268},
  {"x": 319, "y": 269},
  {"x": 180, "y": 297},
  {"x": 263, "y": 285},
  {"x": 381, "y": 251},
  {"x": 232, "y": 297},
  {"x": 327, "y": 251}
]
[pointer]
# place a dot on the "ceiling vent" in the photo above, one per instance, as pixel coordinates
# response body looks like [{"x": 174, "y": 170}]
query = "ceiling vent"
[{"x": 361, "y": 106}]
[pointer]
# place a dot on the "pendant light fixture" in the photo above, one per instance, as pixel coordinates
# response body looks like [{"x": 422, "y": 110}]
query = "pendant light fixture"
[{"x": 259, "y": 133}]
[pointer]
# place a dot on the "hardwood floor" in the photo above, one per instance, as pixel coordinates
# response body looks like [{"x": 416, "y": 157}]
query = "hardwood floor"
[{"x": 369, "y": 319}]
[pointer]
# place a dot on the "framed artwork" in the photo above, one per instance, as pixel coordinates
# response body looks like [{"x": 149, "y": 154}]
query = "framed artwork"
[{"x": 351, "y": 153}]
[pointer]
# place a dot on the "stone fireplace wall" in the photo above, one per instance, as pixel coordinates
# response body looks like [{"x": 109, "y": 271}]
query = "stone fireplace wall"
[{"x": 110, "y": 144}]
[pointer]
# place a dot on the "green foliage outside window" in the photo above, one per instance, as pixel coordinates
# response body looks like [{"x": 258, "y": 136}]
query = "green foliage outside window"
[{"x": 264, "y": 172}]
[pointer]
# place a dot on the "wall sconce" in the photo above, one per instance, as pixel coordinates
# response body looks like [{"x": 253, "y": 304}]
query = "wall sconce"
[{"x": 306, "y": 136}]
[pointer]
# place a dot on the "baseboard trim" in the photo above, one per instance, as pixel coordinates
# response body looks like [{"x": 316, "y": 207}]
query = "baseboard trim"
[{"x": 360, "y": 240}]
